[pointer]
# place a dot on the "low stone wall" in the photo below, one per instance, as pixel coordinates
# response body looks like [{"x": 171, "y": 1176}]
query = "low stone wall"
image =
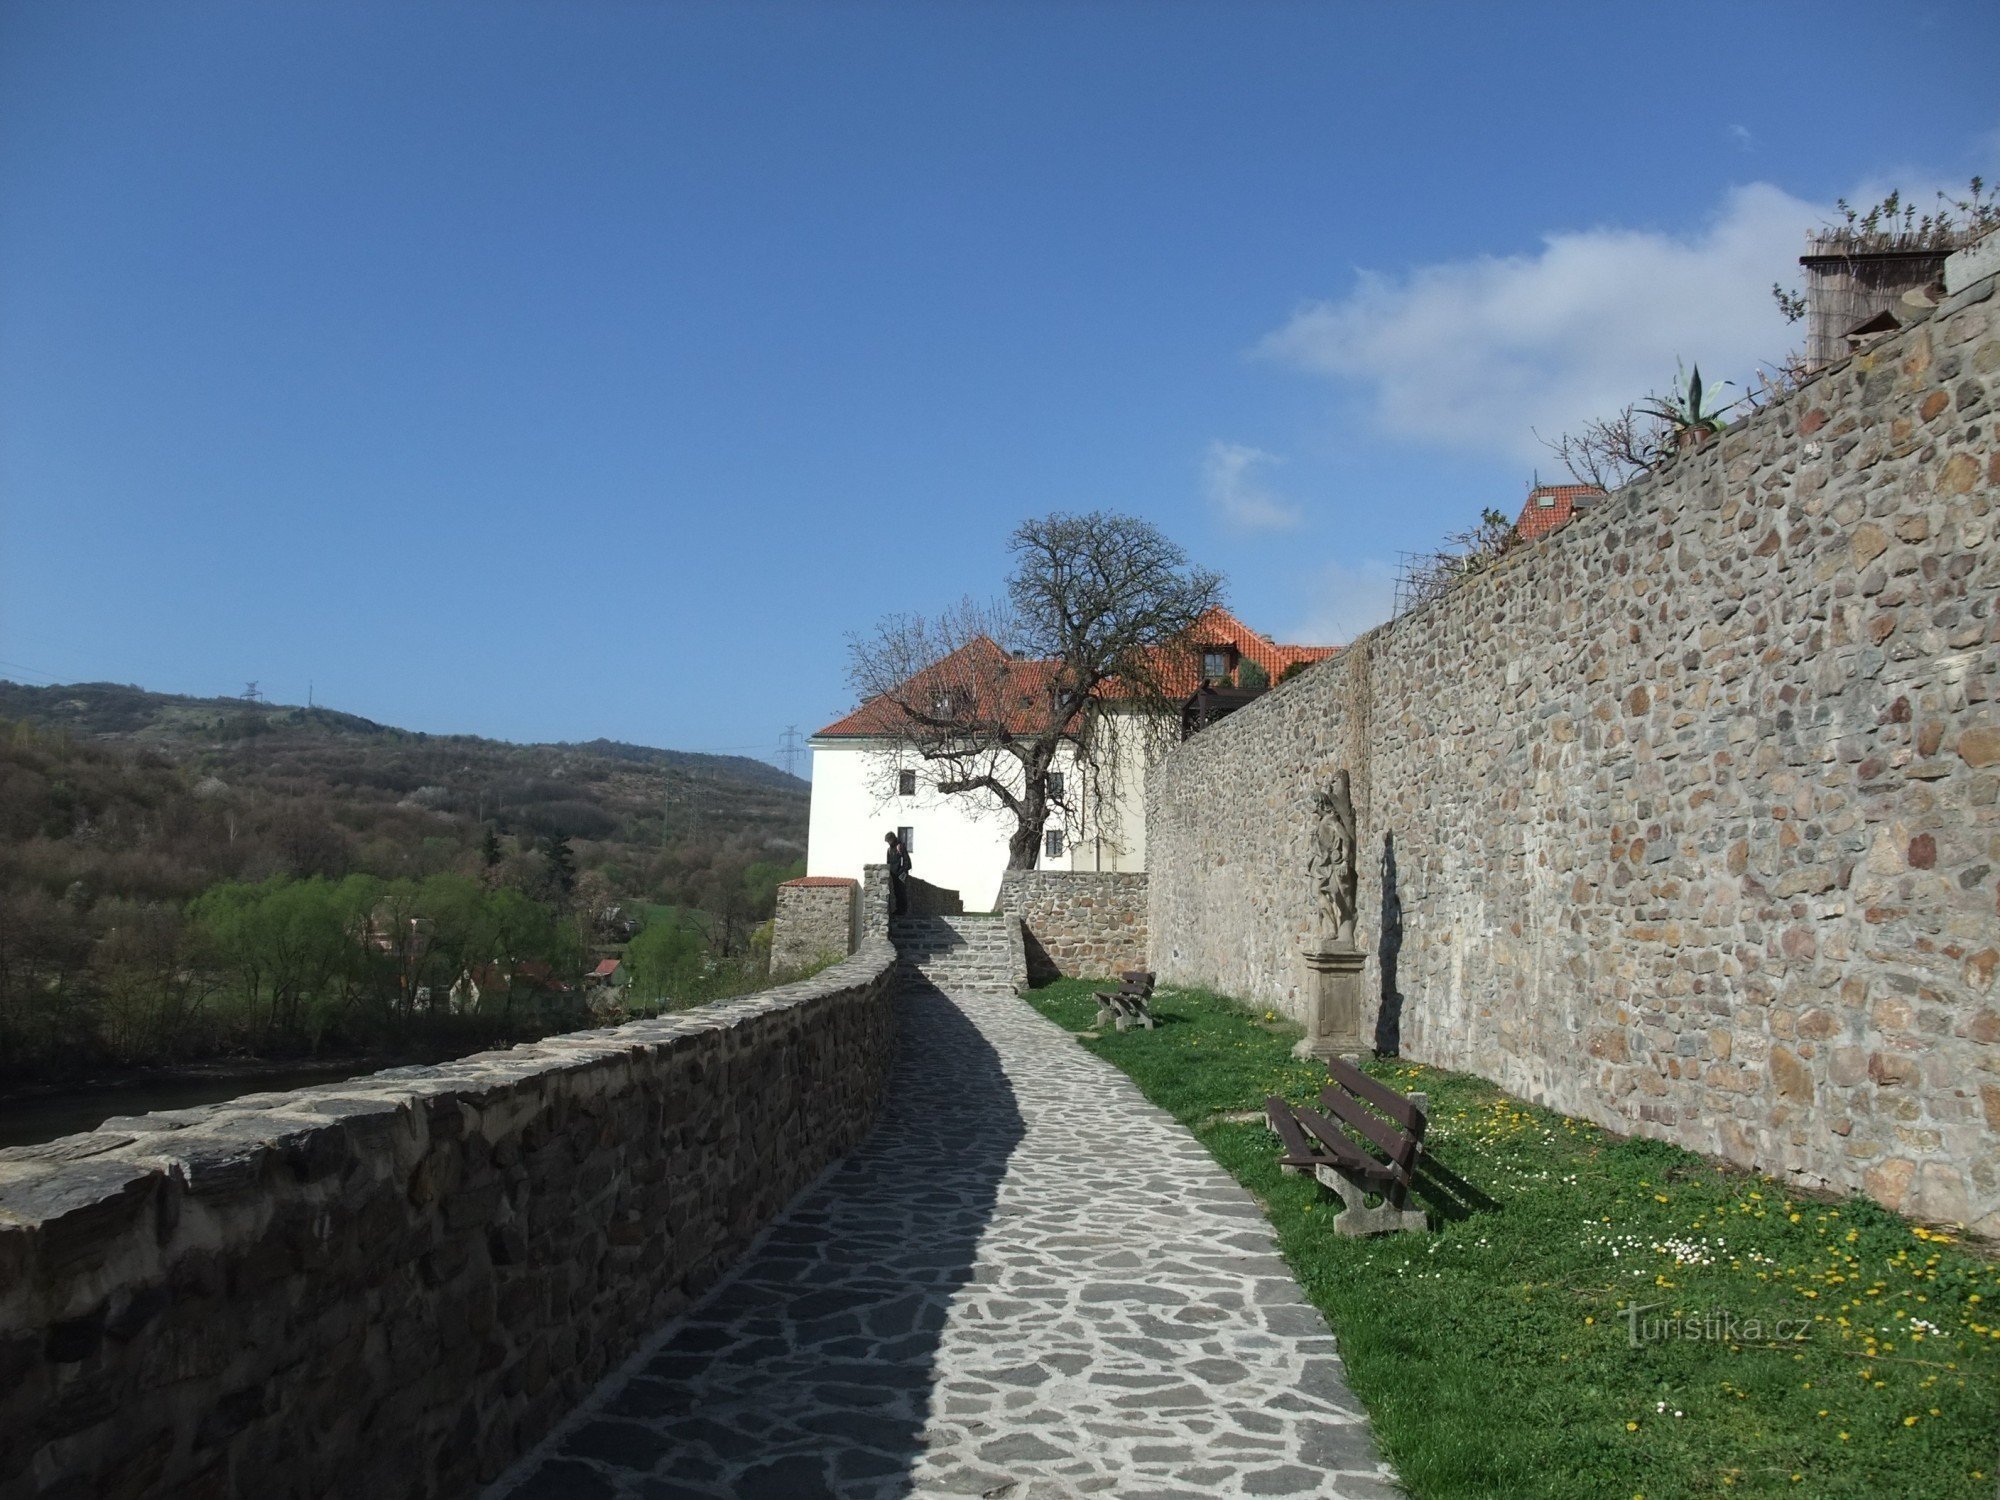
[
  {"x": 396, "y": 1285},
  {"x": 1078, "y": 922},
  {"x": 1685, "y": 819},
  {"x": 925, "y": 900},
  {"x": 814, "y": 921},
  {"x": 874, "y": 902}
]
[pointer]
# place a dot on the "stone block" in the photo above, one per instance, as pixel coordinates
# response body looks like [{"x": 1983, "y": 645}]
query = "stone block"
[{"x": 1791, "y": 1078}]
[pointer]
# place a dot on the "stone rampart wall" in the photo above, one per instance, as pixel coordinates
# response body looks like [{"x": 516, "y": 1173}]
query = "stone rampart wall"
[
  {"x": 814, "y": 921},
  {"x": 1683, "y": 819},
  {"x": 396, "y": 1285},
  {"x": 1078, "y": 922}
]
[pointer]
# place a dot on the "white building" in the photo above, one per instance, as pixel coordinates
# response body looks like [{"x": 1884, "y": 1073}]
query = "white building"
[{"x": 867, "y": 784}]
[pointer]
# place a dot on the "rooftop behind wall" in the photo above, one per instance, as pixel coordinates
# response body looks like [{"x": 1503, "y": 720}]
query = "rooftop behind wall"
[
  {"x": 397, "y": 1284},
  {"x": 1686, "y": 818}
]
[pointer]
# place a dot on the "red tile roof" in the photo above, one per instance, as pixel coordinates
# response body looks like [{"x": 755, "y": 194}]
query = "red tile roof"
[
  {"x": 979, "y": 669},
  {"x": 1551, "y": 507},
  {"x": 606, "y": 967},
  {"x": 818, "y": 881},
  {"x": 1220, "y": 628},
  {"x": 1026, "y": 688}
]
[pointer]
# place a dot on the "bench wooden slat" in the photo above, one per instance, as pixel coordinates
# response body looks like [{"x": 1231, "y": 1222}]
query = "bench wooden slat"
[
  {"x": 1399, "y": 1146},
  {"x": 1350, "y": 1156},
  {"x": 1320, "y": 1142},
  {"x": 1404, "y": 1112},
  {"x": 1298, "y": 1150},
  {"x": 1128, "y": 1003}
]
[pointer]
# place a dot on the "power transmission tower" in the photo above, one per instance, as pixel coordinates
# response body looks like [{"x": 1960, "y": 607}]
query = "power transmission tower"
[
  {"x": 252, "y": 693},
  {"x": 789, "y": 749}
]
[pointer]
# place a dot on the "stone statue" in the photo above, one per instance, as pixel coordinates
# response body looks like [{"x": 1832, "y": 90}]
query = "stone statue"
[{"x": 1332, "y": 859}]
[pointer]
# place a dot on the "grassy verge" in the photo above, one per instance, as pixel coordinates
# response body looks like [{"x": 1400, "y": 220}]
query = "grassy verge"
[{"x": 1496, "y": 1355}]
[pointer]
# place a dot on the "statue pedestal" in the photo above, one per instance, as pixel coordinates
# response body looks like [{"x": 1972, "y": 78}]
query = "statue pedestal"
[{"x": 1333, "y": 1000}]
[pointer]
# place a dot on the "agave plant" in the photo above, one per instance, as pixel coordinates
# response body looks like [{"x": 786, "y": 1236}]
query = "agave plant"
[{"x": 1689, "y": 422}]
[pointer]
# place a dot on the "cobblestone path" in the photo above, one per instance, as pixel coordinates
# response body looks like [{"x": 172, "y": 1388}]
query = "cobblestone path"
[{"x": 1027, "y": 1284}]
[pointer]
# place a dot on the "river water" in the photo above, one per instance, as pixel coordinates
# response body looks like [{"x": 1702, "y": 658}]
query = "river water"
[{"x": 30, "y": 1120}]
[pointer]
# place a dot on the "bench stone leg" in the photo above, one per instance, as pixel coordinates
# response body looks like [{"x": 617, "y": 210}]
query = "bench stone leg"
[{"x": 1355, "y": 1217}]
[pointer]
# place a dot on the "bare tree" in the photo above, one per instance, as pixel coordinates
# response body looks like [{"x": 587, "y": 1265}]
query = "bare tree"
[
  {"x": 1431, "y": 575},
  {"x": 987, "y": 696},
  {"x": 1606, "y": 452},
  {"x": 1610, "y": 451}
]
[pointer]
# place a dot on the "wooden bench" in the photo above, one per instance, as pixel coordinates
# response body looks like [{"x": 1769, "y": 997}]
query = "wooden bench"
[
  {"x": 1129, "y": 1003},
  {"x": 1390, "y": 1124}
]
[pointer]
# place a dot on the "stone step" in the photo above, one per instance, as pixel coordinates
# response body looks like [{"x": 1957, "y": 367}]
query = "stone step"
[{"x": 978, "y": 955}]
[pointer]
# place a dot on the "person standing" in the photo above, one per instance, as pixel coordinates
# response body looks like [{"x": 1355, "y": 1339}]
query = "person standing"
[{"x": 899, "y": 876}]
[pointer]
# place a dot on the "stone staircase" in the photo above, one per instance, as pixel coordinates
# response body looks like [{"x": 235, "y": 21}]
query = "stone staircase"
[{"x": 973, "y": 954}]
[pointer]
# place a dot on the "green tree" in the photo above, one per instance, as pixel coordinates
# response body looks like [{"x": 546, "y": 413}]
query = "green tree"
[
  {"x": 559, "y": 868},
  {"x": 668, "y": 960}
]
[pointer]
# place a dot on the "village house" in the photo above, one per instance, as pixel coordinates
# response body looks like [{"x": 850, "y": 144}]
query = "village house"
[
  {"x": 868, "y": 781},
  {"x": 1550, "y": 507}
]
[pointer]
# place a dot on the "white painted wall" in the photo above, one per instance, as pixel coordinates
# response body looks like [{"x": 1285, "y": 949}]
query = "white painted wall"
[
  {"x": 1110, "y": 829},
  {"x": 960, "y": 841}
]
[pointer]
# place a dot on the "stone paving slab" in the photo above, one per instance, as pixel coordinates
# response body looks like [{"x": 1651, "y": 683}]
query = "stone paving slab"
[{"x": 1028, "y": 1284}]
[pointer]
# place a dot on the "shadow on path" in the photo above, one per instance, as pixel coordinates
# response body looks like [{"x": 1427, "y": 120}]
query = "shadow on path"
[{"x": 809, "y": 1371}]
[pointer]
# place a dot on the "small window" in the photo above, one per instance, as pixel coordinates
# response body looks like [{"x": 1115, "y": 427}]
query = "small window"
[
  {"x": 906, "y": 783},
  {"x": 1546, "y": 502},
  {"x": 908, "y": 837},
  {"x": 1052, "y": 844},
  {"x": 1055, "y": 786},
  {"x": 1214, "y": 664}
]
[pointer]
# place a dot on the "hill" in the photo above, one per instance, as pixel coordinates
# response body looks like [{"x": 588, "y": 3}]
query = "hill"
[
  {"x": 385, "y": 799},
  {"x": 137, "y": 828}
]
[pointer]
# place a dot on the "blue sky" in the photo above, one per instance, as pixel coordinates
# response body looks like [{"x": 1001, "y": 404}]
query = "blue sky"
[{"x": 551, "y": 371}]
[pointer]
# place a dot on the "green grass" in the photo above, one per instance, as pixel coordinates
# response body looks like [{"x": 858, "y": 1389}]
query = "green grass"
[{"x": 1491, "y": 1352}]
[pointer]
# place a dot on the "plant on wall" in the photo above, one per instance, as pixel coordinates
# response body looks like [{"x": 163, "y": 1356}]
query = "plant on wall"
[
  {"x": 1685, "y": 419},
  {"x": 1430, "y": 575},
  {"x": 1890, "y": 224},
  {"x": 1612, "y": 451}
]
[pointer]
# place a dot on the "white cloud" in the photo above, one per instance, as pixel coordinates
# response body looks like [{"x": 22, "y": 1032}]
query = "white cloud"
[
  {"x": 1233, "y": 489},
  {"x": 1743, "y": 137},
  {"x": 1344, "y": 599},
  {"x": 1481, "y": 354}
]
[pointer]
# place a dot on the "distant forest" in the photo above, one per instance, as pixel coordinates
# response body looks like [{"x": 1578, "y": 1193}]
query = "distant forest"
[{"x": 184, "y": 878}]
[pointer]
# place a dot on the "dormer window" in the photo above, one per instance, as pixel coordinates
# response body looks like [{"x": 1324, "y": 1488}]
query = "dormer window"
[{"x": 1214, "y": 663}]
